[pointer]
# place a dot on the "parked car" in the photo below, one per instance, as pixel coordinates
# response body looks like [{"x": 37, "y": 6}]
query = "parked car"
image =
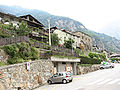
[
  {"x": 112, "y": 65},
  {"x": 63, "y": 77},
  {"x": 106, "y": 66}
]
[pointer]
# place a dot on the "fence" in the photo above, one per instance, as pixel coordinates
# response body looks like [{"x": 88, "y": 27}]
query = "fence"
[
  {"x": 54, "y": 50},
  {"x": 63, "y": 51},
  {"x": 12, "y": 40}
]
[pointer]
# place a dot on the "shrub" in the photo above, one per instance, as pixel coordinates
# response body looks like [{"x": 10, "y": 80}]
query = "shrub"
[
  {"x": 11, "y": 50},
  {"x": 12, "y": 60},
  {"x": 47, "y": 52},
  {"x": 15, "y": 60},
  {"x": 34, "y": 53},
  {"x": 91, "y": 55},
  {"x": 19, "y": 60},
  {"x": 2, "y": 63},
  {"x": 87, "y": 60}
]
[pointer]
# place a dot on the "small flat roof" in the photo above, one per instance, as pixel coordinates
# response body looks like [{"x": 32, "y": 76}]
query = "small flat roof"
[{"x": 54, "y": 59}]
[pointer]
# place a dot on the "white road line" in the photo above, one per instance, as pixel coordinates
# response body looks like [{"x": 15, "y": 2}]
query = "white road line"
[
  {"x": 103, "y": 82},
  {"x": 114, "y": 81},
  {"x": 95, "y": 82}
]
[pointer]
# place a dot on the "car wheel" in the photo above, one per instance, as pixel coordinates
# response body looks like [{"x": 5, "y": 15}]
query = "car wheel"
[
  {"x": 64, "y": 81},
  {"x": 49, "y": 82}
]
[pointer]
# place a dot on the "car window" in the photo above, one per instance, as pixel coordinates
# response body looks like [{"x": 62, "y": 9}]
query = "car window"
[
  {"x": 55, "y": 75},
  {"x": 60, "y": 74}
]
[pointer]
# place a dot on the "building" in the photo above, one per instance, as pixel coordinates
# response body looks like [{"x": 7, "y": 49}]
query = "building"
[
  {"x": 81, "y": 40},
  {"x": 9, "y": 18},
  {"x": 32, "y": 22},
  {"x": 85, "y": 40},
  {"x": 65, "y": 35},
  {"x": 65, "y": 65}
]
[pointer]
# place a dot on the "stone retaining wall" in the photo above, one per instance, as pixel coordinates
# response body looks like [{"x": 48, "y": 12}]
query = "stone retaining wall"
[
  {"x": 87, "y": 69},
  {"x": 19, "y": 77}
]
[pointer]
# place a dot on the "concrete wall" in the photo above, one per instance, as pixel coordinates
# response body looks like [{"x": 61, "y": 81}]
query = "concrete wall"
[
  {"x": 14, "y": 77},
  {"x": 87, "y": 69}
]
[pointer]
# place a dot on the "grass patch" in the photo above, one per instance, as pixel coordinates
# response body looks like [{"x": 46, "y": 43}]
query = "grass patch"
[
  {"x": 2, "y": 63},
  {"x": 69, "y": 57}
]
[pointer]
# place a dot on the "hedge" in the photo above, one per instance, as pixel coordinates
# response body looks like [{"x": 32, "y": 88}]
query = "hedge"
[{"x": 87, "y": 60}]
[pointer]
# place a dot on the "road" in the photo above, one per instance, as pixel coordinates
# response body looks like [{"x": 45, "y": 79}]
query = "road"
[{"x": 106, "y": 79}]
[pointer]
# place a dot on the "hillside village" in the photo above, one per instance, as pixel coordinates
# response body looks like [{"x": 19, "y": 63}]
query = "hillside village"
[{"x": 25, "y": 40}]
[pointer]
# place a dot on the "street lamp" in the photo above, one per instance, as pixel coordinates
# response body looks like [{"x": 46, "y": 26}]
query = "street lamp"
[{"x": 49, "y": 32}]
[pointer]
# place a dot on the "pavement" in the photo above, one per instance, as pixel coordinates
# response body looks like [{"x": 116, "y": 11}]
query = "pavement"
[{"x": 106, "y": 79}]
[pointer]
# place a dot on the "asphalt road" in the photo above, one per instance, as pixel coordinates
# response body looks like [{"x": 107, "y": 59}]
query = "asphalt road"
[{"x": 107, "y": 79}]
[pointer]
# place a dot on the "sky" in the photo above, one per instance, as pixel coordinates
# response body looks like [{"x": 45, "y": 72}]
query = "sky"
[{"x": 94, "y": 14}]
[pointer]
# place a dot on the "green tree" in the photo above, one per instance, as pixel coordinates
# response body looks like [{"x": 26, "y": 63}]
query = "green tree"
[
  {"x": 102, "y": 56},
  {"x": 68, "y": 43},
  {"x": 23, "y": 29},
  {"x": 91, "y": 55},
  {"x": 54, "y": 39}
]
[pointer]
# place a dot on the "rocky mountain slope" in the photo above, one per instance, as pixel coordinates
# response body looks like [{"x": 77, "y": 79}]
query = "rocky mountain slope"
[{"x": 103, "y": 41}]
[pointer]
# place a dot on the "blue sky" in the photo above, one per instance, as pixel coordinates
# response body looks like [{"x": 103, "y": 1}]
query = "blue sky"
[{"x": 94, "y": 14}]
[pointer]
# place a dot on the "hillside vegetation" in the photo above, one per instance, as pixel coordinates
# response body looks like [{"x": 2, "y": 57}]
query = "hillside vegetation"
[{"x": 101, "y": 40}]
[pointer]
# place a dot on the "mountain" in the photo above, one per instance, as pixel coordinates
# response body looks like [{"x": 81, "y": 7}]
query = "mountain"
[
  {"x": 113, "y": 28},
  {"x": 101, "y": 40}
]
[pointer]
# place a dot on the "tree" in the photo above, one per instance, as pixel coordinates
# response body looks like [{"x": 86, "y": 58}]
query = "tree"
[
  {"x": 68, "y": 43},
  {"x": 54, "y": 39},
  {"x": 23, "y": 29}
]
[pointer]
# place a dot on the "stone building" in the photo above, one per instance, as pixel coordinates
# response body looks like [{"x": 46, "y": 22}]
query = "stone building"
[{"x": 85, "y": 40}]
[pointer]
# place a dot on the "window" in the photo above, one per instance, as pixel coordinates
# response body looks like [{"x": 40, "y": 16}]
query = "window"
[
  {"x": 11, "y": 18},
  {"x": 63, "y": 62},
  {"x": 60, "y": 74},
  {"x": 82, "y": 37},
  {"x": 2, "y": 16}
]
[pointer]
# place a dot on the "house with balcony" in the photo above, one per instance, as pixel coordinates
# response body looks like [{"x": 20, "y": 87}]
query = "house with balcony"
[{"x": 32, "y": 22}]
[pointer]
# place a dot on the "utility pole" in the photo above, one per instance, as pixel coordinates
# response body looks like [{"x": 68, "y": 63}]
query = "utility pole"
[{"x": 49, "y": 32}]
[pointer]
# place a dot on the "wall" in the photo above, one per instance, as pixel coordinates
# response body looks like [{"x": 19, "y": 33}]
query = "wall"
[
  {"x": 87, "y": 69},
  {"x": 17, "y": 77},
  {"x": 12, "y": 40}
]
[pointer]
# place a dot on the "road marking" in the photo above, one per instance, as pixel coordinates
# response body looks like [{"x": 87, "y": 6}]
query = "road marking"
[
  {"x": 103, "y": 82},
  {"x": 114, "y": 81},
  {"x": 54, "y": 87},
  {"x": 79, "y": 78},
  {"x": 45, "y": 89},
  {"x": 95, "y": 82}
]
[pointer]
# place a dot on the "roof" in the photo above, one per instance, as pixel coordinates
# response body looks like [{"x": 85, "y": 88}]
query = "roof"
[
  {"x": 67, "y": 31},
  {"x": 32, "y": 18},
  {"x": 82, "y": 32},
  {"x": 7, "y": 14},
  {"x": 54, "y": 59},
  {"x": 21, "y": 18}
]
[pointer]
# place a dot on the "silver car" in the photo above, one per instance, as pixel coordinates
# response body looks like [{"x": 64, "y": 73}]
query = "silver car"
[{"x": 63, "y": 77}]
